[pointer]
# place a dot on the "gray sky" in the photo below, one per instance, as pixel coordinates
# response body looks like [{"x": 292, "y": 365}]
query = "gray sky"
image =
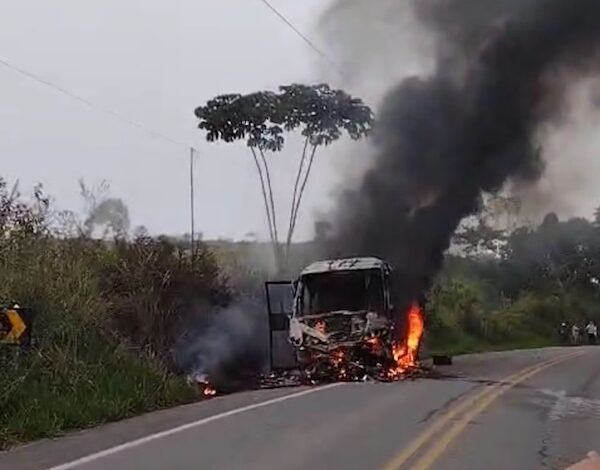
[{"x": 152, "y": 61}]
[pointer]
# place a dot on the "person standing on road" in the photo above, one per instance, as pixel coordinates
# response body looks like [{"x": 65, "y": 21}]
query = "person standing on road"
[
  {"x": 592, "y": 331},
  {"x": 575, "y": 331},
  {"x": 563, "y": 333}
]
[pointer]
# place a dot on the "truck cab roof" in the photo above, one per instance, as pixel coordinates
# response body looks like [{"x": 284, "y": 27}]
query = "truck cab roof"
[{"x": 346, "y": 264}]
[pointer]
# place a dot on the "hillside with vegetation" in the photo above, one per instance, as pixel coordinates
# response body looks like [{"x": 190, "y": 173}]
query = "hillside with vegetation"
[{"x": 513, "y": 288}]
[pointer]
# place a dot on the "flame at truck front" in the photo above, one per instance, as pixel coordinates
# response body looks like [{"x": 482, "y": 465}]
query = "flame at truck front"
[{"x": 405, "y": 353}]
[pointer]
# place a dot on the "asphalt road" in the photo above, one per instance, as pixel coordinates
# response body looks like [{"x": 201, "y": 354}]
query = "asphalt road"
[{"x": 513, "y": 410}]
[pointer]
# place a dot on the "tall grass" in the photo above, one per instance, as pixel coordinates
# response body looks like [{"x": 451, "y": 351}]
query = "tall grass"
[{"x": 106, "y": 317}]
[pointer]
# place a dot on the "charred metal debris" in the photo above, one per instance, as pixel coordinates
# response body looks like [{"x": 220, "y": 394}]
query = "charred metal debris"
[{"x": 343, "y": 324}]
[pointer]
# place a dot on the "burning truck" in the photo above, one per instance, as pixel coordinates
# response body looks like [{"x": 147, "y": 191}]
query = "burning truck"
[{"x": 344, "y": 325}]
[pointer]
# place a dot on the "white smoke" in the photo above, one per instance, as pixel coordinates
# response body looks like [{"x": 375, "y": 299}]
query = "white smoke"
[{"x": 228, "y": 350}]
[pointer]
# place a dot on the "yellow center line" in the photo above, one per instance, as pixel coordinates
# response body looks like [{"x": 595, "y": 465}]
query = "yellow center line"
[
  {"x": 457, "y": 428},
  {"x": 489, "y": 392}
]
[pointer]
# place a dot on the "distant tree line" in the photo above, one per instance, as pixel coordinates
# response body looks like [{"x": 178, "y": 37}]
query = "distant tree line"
[{"x": 514, "y": 286}]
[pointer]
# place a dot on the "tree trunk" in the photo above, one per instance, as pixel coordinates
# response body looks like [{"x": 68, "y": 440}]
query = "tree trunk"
[
  {"x": 277, "y": 249},
  {"x": 296, "y": 207},
  {"x": 274, "y": 241},
  {"x": 294, "y": 198}
]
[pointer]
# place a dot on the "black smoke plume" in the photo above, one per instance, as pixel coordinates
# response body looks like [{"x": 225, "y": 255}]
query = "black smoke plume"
[{"x": 502, "y": 73}]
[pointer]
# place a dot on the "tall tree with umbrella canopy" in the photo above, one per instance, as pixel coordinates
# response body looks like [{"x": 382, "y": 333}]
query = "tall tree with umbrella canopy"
[{"x": 262, "y": 119}]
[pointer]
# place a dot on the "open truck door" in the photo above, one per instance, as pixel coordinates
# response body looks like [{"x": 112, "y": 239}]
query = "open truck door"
[{"x": 280, "y": 305}]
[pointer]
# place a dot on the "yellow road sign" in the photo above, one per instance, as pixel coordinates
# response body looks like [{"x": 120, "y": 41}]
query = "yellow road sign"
[{"x": 15, "y": 326}]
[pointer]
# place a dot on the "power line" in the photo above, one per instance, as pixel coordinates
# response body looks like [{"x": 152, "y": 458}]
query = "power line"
[
  {"x": 91, "y": 104},
  {"x": 311, "y": 44}
]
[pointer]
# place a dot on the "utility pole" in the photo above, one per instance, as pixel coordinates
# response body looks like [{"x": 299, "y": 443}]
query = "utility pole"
[{"x": 192, "y": 152}]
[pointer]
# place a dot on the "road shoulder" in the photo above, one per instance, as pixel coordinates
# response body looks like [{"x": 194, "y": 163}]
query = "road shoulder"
[{"x": 50, "y": 452}]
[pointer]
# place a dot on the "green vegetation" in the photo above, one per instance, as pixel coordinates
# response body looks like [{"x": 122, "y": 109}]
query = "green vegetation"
[
  {"x": 106, "y": 316},
  {"x": 463, "y": 320},
  {"x": 512, "y": 289}
]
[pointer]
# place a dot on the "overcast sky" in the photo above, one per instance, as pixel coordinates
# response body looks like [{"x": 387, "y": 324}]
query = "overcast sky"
[{"x": 153, "y": 61}]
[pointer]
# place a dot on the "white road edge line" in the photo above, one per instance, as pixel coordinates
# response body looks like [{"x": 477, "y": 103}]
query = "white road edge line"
[{"x": 159, "y": 435}]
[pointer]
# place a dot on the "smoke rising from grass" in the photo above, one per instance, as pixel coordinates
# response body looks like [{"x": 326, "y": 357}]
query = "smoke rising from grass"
[
  {"x": 227, "y": 348},
  {"x": 502, "y": 72}
]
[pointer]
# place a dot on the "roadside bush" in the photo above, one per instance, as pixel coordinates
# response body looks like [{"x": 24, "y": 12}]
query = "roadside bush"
[
  {"x": 105, "y": 314},
  {"x": 465, "y": 317},
  {"x": 151, "y": 287},
  {"x": 455, "y": 315}
]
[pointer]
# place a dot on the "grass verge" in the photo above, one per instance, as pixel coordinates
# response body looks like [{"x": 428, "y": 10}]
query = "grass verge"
[
  {"x": 106, "y": 316},
  {"x": 46, "y": 393}
]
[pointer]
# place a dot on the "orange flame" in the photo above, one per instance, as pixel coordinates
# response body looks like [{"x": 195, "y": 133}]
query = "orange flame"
[
  {"x": 338, "y": 362},
  {"x": 337, "y": 357},
  {"x": 209, "y": 390},
  {"x": 405, "y": 354}
]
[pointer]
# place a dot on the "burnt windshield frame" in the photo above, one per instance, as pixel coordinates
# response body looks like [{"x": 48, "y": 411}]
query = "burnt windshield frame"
[{"x": 366, "y": 298}]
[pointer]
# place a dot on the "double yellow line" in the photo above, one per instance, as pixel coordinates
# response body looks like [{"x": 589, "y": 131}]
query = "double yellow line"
[{"x": 461, "y": 415}]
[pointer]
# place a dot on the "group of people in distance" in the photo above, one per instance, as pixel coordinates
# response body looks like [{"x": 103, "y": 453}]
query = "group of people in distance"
[{"x": 577, "y": 335}]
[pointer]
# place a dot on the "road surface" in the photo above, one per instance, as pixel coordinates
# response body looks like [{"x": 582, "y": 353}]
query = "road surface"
[{"x": 512, "y": 410}]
